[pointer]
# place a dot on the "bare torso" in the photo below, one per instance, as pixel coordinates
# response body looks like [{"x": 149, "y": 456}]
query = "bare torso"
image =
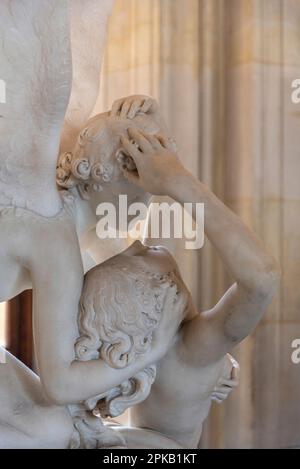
[{"x": 180, "y": 399}]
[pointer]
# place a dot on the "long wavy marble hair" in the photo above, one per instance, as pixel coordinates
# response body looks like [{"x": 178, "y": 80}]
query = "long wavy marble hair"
[{"x": 121, "y": 306}]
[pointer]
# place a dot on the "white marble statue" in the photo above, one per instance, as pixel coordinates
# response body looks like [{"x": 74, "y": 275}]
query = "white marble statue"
[
  {"x": 118, "y": 328},
  {"x": 44, "y": 230},
  {"x": 141, "y": 341}
]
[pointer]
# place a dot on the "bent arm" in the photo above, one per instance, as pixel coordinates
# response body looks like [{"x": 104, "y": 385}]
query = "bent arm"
[
  {"x": 57, "y": 276},
  {"x": 255, "y": 271}
]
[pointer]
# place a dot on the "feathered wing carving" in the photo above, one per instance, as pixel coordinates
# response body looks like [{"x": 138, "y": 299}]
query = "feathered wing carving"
[
  {"x": 35, "y": 65},
  {"x": 89, "y": 19},
  {"x": 36, "y": 68}
]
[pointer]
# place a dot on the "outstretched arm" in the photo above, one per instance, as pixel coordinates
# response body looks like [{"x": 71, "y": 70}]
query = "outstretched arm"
[{"x": 256, "y": 273}]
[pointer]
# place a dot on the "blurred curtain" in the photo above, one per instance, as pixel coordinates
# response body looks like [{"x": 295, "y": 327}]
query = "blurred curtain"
[{"x": 222, "y": 72}]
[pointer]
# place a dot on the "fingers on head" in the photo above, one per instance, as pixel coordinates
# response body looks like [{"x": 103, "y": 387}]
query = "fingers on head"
[
  {"x": 140, "y": 139},
  {"x": 131, "y": 149},
  {"x": 156, "y": 144},
  {"x": 153, "y": 140},
  {"x": 144, "y": 105},
  {"x": 147, "y": 105},
  {"x": 129, "y": 107},
  {"x": 125, "y": 109},
  {"x": 134, "y": 108},
  {"x": 121, "y": 107},
  {"x": 165, "y": 142},
  {"x": 116, "y": 107}
]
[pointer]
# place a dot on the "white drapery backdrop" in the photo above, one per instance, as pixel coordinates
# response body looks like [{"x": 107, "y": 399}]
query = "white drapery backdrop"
[{"x": 222, "y": 72}]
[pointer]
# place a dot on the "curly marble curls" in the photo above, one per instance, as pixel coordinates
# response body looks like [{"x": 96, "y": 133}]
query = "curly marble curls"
[
  {"x": 72, "y": 171},
  {"x": 85, "y": 167}
]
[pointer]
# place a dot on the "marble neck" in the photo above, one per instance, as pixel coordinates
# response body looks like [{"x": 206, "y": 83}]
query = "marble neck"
[{"x": 85, "y": 219}]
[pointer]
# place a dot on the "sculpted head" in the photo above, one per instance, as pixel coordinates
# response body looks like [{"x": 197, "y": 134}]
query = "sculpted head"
[
  {"x": 94, "y": 164},
  {"x": 122, "y": 305}
]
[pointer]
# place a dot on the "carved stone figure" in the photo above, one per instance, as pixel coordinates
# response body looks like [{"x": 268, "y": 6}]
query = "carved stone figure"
[
  {"x": 139, "y": 330},
  {"x": 92, "y": 171},
  {"x": 45, "y": 233},
  {"x": 117, "y": 327}
]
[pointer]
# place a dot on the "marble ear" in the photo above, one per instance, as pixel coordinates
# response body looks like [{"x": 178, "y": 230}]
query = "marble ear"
[{"x": 125, "y": 160}]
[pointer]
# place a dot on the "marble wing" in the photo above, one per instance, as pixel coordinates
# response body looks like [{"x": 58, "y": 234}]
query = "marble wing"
[
  {"x": 89, "y": 19},
  {"x": 35, "y": 65},
  {"x": 38, "y": 41}
]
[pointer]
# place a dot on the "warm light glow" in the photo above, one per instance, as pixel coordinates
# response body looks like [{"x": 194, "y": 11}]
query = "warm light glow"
[{"x": 2, "y": 324}]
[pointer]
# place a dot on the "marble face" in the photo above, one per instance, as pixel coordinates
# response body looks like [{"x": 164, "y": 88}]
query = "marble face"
[{"x": 156, "y": 259}]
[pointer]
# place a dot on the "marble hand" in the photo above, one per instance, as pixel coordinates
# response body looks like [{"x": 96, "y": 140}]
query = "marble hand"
[
  {"x": 130, "y": 106},
  {"x": 155, "y": 158}
]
